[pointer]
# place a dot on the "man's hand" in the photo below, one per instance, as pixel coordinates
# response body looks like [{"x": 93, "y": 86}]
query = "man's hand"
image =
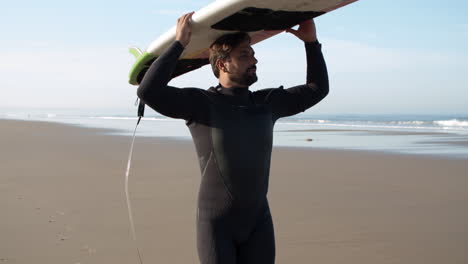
[
  {"x": 306, "y": 31},
  {"x": 183, "y": 31}
]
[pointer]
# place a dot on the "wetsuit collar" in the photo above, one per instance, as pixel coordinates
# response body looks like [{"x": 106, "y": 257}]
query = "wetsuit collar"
[
  {"x": 234, "y": 91},
  {"x": 240, "y": 94}
]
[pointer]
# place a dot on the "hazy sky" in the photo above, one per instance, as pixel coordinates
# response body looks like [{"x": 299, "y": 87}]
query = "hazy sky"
[{"x": 382, "y": 56}]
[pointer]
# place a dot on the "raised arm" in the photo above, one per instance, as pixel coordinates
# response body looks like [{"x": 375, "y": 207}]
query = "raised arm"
[
  {"x": 154, "y": 91},
  {"x": 287, "y": 102}
]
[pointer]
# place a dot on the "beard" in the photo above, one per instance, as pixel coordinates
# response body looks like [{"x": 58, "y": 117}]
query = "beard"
[{"x": 245, "y": 78}]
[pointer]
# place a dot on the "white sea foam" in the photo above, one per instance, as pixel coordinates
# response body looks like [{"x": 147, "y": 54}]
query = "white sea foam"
[
  {"x": 417, "y": 123},
  {"x": 133, "y": 118},
  {"x": 114, "y": 117},
  {"x": 452, "y": 123}
]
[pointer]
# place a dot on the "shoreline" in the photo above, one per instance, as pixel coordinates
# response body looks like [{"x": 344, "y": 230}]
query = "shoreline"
[{"x": 456, "y": 143}]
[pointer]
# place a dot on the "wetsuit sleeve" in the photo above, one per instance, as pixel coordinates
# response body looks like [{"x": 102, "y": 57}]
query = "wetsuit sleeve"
[
  {"x": 287, "y": 102},
  {"x": 185, "y": 103}
]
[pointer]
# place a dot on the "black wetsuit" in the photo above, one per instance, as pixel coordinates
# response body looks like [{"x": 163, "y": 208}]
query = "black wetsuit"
[{"x": 232, "y": 129}]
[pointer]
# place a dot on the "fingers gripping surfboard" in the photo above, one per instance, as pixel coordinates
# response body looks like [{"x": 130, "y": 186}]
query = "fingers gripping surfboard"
[{"x": 262, "y": 19}]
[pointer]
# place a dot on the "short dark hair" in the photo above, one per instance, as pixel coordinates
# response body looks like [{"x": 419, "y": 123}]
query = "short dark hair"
[{"x": 222, "y": 47}]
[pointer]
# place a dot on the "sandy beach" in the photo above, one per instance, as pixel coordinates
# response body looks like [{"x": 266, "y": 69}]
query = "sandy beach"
[{"x": 62, "y": 200}]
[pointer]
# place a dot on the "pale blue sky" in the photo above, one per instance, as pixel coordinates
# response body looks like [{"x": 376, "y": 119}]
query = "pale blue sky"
[{"x": 383, "y": 56}]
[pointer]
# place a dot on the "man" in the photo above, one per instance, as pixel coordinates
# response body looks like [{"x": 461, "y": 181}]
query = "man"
[{"x": 232, "y": 129}]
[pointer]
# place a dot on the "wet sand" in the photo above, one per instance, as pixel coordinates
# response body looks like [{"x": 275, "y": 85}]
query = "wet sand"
[
  {"x": 370, "y": 132},
  {"x": 62, "y": 201}
]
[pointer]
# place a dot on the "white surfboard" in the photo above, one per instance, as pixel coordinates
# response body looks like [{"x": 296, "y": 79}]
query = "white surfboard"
[{"x": 262, "y": 19}]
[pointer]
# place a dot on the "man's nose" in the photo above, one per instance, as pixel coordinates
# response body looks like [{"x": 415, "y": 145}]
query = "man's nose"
[{"x": 254, "y": 60}]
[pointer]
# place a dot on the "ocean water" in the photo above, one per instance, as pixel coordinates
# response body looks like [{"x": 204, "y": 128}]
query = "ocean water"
[{"x": 426, "y": 134}]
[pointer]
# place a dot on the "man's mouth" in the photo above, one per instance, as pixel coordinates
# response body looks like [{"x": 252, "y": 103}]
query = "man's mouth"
[{"x": 252, "y": 69}]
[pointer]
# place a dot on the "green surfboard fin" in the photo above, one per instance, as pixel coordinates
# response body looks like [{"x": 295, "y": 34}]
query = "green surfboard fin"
[{"x": 135, "y": 52}]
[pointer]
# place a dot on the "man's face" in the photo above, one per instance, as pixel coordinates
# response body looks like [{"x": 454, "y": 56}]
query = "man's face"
[{"x": 241, "y": 63}]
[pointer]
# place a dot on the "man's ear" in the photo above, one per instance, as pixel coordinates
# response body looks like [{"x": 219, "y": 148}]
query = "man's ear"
[{"x": 221, "y": 65}]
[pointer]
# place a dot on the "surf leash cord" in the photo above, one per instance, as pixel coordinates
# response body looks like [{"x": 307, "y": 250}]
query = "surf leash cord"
[{"x": 141, "y": 110}]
